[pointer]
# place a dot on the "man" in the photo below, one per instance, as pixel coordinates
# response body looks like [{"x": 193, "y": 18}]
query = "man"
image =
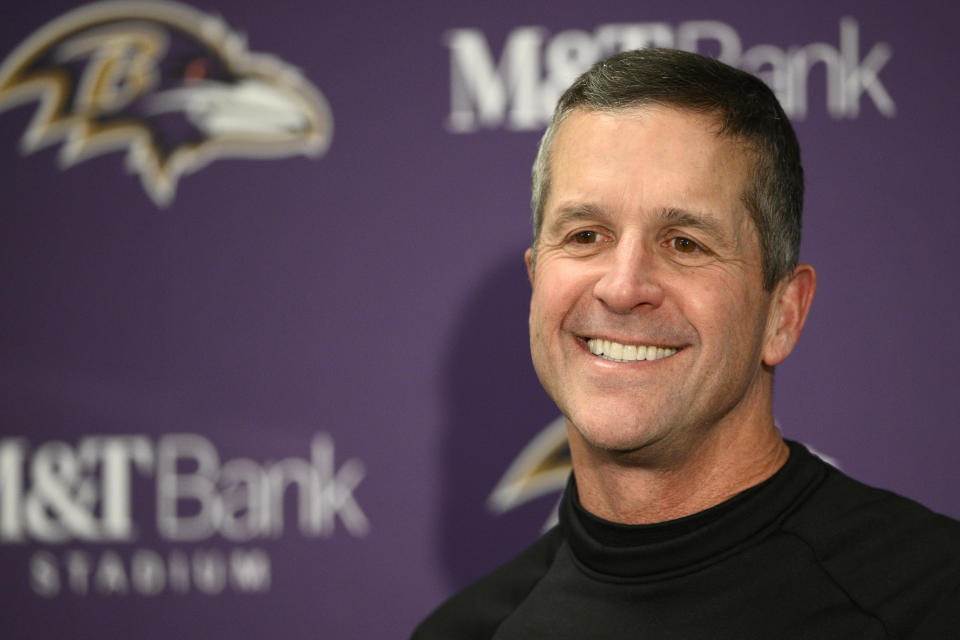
[{"x": 667, "y": 198}]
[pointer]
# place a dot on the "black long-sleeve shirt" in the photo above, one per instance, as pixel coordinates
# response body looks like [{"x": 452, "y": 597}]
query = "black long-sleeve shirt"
[{"x": 809, "y": 553}]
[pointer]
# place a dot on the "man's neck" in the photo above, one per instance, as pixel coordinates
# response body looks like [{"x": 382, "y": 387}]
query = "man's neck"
[{"x": 721, "y": 465}]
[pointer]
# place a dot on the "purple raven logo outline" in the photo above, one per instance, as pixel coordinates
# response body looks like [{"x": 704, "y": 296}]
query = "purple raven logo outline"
[{"x": 175, "y": 87}]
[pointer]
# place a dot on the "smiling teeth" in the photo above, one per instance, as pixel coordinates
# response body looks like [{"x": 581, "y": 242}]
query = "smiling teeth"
[{"x": 627, "y": 352}]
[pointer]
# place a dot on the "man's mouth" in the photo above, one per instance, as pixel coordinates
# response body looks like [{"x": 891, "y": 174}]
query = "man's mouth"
[{"x": 609, "y": 350}]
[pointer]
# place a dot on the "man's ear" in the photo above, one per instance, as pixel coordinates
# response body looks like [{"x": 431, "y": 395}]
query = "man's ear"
[
  {"x": 792, "y": 298},
  {"x": 528, "y": 258}
]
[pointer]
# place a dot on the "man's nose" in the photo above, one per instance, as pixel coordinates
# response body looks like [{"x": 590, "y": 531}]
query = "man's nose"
[{"x": 631, "y": 278}]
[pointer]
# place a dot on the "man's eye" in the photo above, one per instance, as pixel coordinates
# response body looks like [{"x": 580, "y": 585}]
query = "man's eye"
[
  {"x": 585, "y": 237},
  {"x": 685, "y": 245}
]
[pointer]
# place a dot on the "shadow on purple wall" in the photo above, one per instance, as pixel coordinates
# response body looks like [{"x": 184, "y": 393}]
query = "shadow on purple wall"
[{"x": 495, "y": 405}]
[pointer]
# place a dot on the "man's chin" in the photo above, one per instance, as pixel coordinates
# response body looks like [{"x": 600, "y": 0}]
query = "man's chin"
[{"x": 616, "y": 437}]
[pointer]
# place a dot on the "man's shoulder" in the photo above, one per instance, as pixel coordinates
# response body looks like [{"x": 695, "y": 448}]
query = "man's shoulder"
[
  {"x": 844, "y": 512},
  {"x": 893, "y": 556},
  {"x": 477, "y": 610}
]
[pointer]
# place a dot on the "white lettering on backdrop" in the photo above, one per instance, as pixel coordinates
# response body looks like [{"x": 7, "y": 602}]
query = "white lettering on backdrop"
[
  {"x": 519, "y": 88},
  {"x": 56, "y": 494}
]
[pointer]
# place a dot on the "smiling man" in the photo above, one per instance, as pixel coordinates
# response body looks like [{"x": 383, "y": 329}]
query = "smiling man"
[{"x": 667, "y": 201}]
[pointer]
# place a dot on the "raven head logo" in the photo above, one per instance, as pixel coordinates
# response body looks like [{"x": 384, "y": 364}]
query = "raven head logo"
[
  {"x": 174, "y": 87},
  {"x": 542, "y": 467}
]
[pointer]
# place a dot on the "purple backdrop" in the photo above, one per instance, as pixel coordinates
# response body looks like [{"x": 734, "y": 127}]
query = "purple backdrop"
[{"x": 277, "y": 405}]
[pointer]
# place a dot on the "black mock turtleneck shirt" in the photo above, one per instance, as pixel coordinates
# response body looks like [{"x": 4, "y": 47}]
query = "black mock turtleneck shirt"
[{"x": 809, "y": 553}]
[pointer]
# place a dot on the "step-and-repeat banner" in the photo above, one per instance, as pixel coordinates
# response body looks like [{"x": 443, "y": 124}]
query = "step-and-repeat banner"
[{"x": 263, "y": 334}]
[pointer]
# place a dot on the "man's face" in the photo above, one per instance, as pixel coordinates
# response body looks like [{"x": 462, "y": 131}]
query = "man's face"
[{"x": 648, "y": 319}]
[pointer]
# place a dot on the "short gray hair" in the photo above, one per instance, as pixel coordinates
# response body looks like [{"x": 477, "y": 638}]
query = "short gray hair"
[{"x": 745, "y": 108}]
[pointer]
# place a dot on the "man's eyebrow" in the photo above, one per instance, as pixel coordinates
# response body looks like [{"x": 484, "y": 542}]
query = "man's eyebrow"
[
  {"x": 578, "y": 212},
  {"x": 708, "y": 223},
  {"x": 705, "y": 222}
]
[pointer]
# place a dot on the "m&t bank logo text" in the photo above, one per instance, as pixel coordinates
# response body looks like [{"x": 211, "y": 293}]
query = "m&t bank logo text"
[
  {"x": 57, "y": 494},
  {"x": 518, "y": 87}
]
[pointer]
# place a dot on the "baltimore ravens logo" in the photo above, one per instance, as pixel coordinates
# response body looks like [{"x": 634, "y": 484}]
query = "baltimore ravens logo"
[
  {"x": 174, "y": 87},
  {"x": 542, "y": 468}
]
